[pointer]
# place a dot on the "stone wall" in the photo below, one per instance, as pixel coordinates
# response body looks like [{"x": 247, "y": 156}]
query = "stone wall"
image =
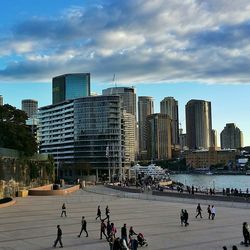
[{"x": 18, "y": 173}]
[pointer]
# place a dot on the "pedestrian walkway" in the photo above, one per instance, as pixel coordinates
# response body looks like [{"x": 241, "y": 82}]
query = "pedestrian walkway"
[{"x": 31, "y": 223}]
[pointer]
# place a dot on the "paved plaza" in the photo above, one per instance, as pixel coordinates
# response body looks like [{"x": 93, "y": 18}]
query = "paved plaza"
[{"x": 31, "y": 223}]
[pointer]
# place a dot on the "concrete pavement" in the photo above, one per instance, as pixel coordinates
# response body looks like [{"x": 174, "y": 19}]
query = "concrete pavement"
[{"x": 31, "y": 223}]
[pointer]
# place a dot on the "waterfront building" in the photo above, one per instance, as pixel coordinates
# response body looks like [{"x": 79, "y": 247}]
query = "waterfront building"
[
  {"x": 209, "y": 157},
  {"x": 84, "y": 135},
  {"x": 231, "y": 137},
  {"x": 198, "y": 124},
  {"x": 128, "y": 103},
  {"x": 128, "y": 97},
  {"x": 159, "y": 137},
  {"x": 145, "y": 108},
  {"x": 30, "y": 107},
  {"x": 169, "y": 106},
  {"x": 1, "y": 100},
  {"x": 129, "y": 129},
  {"x": 214, "y": 138},
  {"x": 70, "y": 86}
]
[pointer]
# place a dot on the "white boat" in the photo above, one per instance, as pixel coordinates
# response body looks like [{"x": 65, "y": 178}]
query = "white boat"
[
  {"x": 209, "y": 173},
  {"x": 150, "y": 170}
]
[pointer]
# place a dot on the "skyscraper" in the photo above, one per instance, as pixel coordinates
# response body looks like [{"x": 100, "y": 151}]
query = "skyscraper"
[
  {"x": 169, "y": 106},
  {"x": 30, "y": 107},
  {"x": 231, "y": 137},
  {"x": 159, "y": 137},
  {"x": 128, "y": 103},
  {"x": 70, "y": 86},
  {"x": 198, "y": 124},
  {"x": 145, "y": 108},
  {"x": 129, "y": 148},
  {"x": 128, "y": 96}
]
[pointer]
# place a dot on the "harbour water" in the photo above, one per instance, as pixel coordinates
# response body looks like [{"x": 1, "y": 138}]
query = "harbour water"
[{"x": 214, "y": 181}]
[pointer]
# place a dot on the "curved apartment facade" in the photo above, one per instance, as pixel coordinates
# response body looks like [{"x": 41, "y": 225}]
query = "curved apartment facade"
[{"x": 198, "y": 124}]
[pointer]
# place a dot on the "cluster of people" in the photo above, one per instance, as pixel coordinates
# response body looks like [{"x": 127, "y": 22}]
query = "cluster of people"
[
  {"x": 184, "y": 214},
  {"x": 130, "y": 240},
  {"x": 235, "y": 192},
  {"x": 126, "y": 241}
]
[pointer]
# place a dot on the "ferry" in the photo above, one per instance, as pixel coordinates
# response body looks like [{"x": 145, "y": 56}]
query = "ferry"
[
  {"x": 150, "y": 170},
  {"x": 209, "y": 173}
]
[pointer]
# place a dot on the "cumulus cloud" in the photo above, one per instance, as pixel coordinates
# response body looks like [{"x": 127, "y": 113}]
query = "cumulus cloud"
[{"x": 141, "y": 41}]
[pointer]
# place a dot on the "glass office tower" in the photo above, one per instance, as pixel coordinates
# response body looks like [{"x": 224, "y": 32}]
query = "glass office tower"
[{"x": 70, "y": 86}]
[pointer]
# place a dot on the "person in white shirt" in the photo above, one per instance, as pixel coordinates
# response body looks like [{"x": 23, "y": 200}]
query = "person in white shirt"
[{"x": 213, "y": 212}]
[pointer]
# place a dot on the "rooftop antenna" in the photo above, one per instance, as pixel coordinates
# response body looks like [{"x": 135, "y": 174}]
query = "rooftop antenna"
[{"x": 114, "y": 82}]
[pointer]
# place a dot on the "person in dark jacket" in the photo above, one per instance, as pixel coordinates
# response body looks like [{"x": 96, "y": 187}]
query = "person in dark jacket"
[
  {"x": 103, "y": 229},
  {"x": 182, "y": 217},
  {"x": 63, "y": 210},
  {"x": 124, "y": 235},
  {"x": 198, "y": 210},
  {"x": 246, "y": 234},
  {"x": 131, "y": 232},
  {"x": 109, "y": 228},
  {"x": 59, "y": 237},
  {"x": 99, "y": 213},
  {"x": 117, "y": 244},
  {"x": 209, "y": 212},
  {"x": 185, "y": 217},
  {"x": 107, "y": 212},
  {"x": 84, "y": 227}
]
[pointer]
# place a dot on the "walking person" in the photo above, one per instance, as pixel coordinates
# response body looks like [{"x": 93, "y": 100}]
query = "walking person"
[
  {"x": 198, "y": 210},
  {"x": 182, "y": 216},
  {"x": 99, "y": 213},
  {"x": 84, "y": 227},
  {"x": 109, "y": 228},
  {"x": 124, "y": 235},
  {"x": 209, "y": 212},
  {"x": 213, "y": 212},
  {"x": 59, "y": 237},
  {"x": 113, "y": 230},
  {"x": 63, "y": 210},
  {"x": 107, "y": 212},
  {"x": 185, "y": 217},
  {"x": 103, "y": 230}
]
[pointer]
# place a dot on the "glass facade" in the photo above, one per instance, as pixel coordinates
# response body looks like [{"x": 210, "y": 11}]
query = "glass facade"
[{"x": 71, "y": 86}]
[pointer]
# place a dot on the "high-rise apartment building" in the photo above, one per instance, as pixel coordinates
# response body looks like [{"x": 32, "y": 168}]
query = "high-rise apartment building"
[
  {"x": 231, "y": 137},
  {"x": 198, "y": 124},
  {"x": 1, "y": 100},
  {"x": 159, "y": 137},
  {"x": 30, "y": 107},
  {"x": 129, "y": 132},
  {"x": 85, "y": 135},
  {"x": 70, "y": 86},
  {"x": 128, "y": 103},
  {"x": 128, "y": 96},
  {"x": 145, "y": 108},
  {"x": 169, "y": 106}
]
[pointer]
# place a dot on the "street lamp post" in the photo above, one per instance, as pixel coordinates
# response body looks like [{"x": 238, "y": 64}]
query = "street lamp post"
[{"x": 107, "y": 155}]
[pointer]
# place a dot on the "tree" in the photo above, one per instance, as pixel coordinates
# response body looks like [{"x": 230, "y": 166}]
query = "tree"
[{"x": 14, "y": 133}]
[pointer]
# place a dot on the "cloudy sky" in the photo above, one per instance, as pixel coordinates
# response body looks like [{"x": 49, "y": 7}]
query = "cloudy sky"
[{"x": 186, "y": 49}]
